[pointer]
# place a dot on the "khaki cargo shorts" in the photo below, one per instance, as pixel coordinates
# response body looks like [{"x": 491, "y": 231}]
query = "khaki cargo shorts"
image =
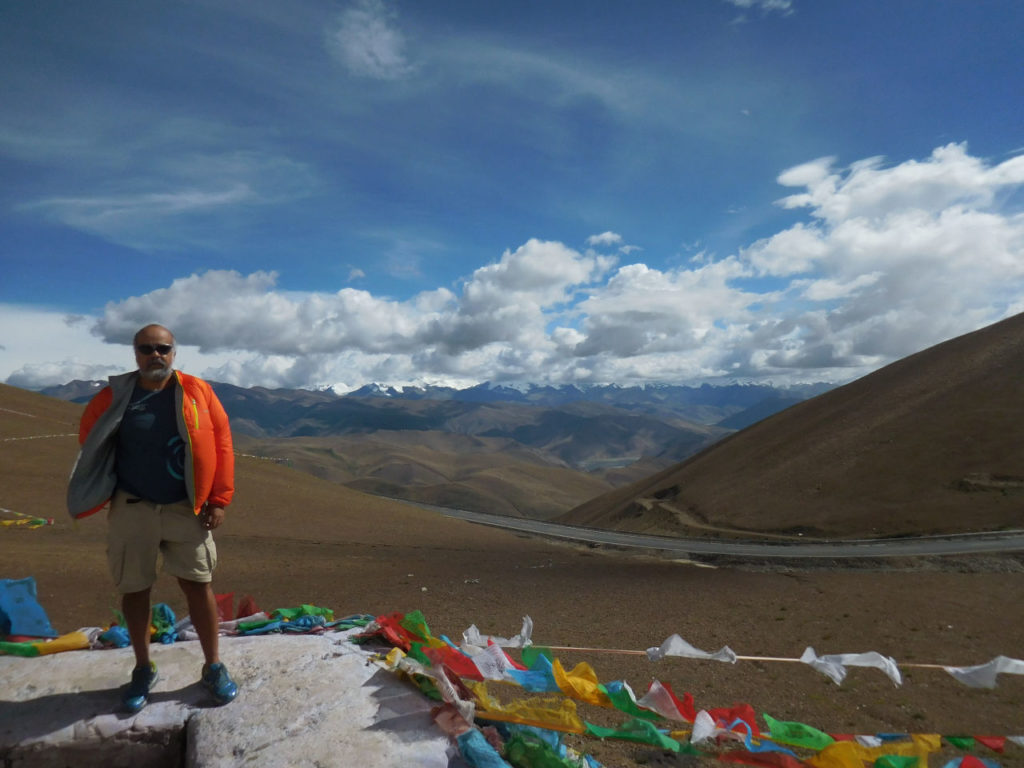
[{"x": 139, "y": 530}]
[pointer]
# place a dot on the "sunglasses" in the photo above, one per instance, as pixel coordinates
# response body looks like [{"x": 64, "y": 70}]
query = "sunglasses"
[{"x": 149, "y": 349}]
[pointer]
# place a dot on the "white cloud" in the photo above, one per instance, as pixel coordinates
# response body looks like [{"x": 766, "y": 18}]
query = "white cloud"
[
  {"x": 783, "y": 6},
  {"x": 156, "y": 205},
  {"x": 605, "y": 239},
  {"x": 888, "y": 261},
  {"x": 43, "y": 347},
  {"x": 368, "y": 42}
]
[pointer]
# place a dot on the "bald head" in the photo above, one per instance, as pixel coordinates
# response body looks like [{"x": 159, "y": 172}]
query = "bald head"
[
  {"x": 154, "y": 354},
  {"x": 145, "y": 331}
]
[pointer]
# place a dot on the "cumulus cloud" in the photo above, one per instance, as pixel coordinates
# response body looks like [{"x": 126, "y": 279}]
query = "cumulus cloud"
[
  {"x": 369, "y": 43},
  {"x": 612, "y": 240},
  {"x": 605, "y": 239},
  {"x": 895, "y": 258},
  {"x": 889, "y": 259}
]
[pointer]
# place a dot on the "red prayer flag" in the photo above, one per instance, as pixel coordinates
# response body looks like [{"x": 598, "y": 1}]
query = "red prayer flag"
[
  {"x": 685, "y": 707},
  {"x": 456, "y": 661},
  {"x": 766, "y": 759},
  {"x": 224, "y": 605},
  {"x": 995, "y": 743},
  {"x": 726, "y": 716},
  {"x": 246, "y": 607}
]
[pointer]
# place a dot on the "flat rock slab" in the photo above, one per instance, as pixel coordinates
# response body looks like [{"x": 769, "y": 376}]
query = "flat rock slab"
[{"x": 304, "y": 700}]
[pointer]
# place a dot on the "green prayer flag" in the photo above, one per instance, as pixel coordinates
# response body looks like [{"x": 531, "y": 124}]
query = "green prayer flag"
[
  {"x": 416, "y": 654},
  {"x": 532, "y": 652},
  {"x": 896, "y": 761},
  {"x": 18, "y": 649},
  {"x": 416, "y": 622},
  {"x": 961, "y": 742},
  {"x": 524, "y": 751},
  {"x": 797, "y": 734},
  {"x": 290, "y": 614},
  {"x": 635, "y": 730},
  {"x": 622, "y": 701},
  {"x": 246, "y": 626},
  {"x": 427, "y": 687}
]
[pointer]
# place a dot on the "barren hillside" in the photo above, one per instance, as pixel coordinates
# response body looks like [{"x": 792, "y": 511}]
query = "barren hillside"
[{"x": 932, "y": 443}]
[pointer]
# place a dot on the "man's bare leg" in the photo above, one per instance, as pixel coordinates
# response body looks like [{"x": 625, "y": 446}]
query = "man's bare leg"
[
  {"x": 135, "y": 607},
  {"x": 202, "y": 608}
]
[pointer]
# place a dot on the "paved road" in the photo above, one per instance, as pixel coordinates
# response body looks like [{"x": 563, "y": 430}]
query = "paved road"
[{"x": 974, "y": 543}]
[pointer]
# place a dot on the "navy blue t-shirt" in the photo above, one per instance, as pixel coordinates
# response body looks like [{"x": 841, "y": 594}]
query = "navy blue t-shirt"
[{"x": 150, "y": 452}]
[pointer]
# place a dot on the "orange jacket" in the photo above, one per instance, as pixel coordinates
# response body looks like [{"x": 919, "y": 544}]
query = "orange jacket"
[{"x": 202, "y": 424}]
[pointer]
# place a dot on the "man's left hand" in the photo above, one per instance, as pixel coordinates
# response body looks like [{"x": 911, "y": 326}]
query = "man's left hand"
[{"x": 213, "y": 517}]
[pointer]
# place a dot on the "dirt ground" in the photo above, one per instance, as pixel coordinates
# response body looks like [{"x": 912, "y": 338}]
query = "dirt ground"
[{"x": 590, "y": 598}]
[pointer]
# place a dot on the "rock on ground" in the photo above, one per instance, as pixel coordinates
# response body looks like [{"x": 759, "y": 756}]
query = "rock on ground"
[{"x": 306, "y": 700}]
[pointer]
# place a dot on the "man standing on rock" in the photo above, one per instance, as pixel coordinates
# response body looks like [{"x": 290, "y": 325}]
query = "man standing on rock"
[{"x": 156, "y": 444}]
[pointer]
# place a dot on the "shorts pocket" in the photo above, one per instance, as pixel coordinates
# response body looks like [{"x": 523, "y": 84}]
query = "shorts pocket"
[{"x": 115, "y": 562}]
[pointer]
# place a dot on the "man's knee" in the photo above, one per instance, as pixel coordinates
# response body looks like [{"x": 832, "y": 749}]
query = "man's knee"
[{"x": 190, "y": 587}]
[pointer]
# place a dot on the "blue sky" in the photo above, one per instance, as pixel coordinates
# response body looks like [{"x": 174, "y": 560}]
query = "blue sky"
[{"x": 331, "y": 193}]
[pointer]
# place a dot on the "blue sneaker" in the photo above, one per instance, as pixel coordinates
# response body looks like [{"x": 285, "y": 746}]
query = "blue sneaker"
[
  {"x": 136, "y": 694},
  {"x": 219, "y": 683}
]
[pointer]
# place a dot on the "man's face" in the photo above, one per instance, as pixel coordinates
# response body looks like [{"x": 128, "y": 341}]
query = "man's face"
[{"x": 154, "y": 366}]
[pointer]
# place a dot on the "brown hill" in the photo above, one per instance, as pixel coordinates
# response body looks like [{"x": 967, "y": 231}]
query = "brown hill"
[
  {"x": 933, "y": 443},
  {"x": 495, "y": 475}
]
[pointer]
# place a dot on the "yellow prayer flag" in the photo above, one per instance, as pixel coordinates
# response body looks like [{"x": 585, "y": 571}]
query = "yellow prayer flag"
[
  {"x": 850, "y": 754},
  {"x": 580, "y": 684},
  {"x": 552, "y": 712},
  {"x": 72, "y": 641}
]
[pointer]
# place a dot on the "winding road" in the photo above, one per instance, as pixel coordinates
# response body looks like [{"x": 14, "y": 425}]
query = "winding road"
[{"x": 959, "y": 544}]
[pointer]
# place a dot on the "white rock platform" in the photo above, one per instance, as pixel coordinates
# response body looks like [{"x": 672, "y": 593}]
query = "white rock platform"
[{"x": 304, "y": 700}]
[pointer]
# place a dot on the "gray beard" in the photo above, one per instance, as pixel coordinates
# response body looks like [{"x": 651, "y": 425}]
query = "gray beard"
[{"x": 156, "y": 374}]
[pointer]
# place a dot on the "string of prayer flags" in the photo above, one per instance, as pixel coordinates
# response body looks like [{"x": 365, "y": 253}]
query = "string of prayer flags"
[
  {"x": 676, "y": 646},
  {"x": 834, "y": 665},
  {"x": 984, "y": 675}
]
